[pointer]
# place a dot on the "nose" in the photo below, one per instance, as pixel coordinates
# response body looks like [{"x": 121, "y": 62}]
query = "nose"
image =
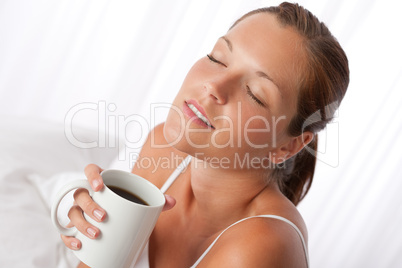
[
  {"x": 215, "y": 93},
  {"x": 218, "y": 90}
]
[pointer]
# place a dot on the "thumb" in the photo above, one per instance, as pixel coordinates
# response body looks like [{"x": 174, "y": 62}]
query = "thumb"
[{"x": 170, "y": 202}]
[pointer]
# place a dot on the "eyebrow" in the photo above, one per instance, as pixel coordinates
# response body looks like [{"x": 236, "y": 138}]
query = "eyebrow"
[
  {"x": 264, "y": 75},
  {"x": 228, "y": 43}
]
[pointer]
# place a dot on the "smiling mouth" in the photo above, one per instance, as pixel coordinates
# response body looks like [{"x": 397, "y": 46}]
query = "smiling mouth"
[{"x": 199, "y": 115}]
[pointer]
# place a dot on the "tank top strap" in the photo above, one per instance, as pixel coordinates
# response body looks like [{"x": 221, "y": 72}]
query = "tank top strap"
[
  {"x": 176, "y": 173},
  {"x": 143, "y": 260},
  {"x": 258, "y": 216}
]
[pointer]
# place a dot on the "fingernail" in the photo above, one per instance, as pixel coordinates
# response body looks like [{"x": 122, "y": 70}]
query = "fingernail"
[
  {"x": 98, "y": 214},
  {"x": 95, "y": 184},
  {"x": 91, "y": 232},
  {"x": 74, "y": 245}
]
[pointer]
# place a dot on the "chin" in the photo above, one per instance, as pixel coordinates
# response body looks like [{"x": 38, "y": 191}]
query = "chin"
[
  {"x": 174, "y": 135},
  {"x": 171, "y": 133}
]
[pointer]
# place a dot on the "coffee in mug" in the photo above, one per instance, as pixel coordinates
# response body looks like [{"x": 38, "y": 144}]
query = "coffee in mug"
[{"x": 128, "y": 195}]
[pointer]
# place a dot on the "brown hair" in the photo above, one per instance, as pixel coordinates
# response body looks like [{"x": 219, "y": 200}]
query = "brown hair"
[{"x": 322, "y": 86}]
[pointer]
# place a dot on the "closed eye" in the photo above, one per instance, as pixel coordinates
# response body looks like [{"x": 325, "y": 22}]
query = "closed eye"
[
  {"x": 253, "y": 97},
  {"x": 211, "y": 58}
]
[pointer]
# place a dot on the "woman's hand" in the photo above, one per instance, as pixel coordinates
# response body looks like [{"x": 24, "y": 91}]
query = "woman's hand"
[{"x": 84, "y": 203}]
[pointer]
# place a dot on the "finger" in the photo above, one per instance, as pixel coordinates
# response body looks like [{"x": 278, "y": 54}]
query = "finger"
[
  {"x": 90, "y": 207},
  {"x": 92, "y": 172},
  {"x": 71, "y": 242},
  {"x": 170, "y": 202},
  {"x": 77, "y": 218}
]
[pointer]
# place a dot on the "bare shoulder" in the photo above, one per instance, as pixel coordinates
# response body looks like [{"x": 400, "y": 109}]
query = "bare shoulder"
[
  {"x": 157, "y": 158},
  {"x": 257, "y": 242}
]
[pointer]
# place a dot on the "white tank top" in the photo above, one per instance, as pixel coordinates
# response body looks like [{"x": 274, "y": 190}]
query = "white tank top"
[{"x": 143, "y": 261}]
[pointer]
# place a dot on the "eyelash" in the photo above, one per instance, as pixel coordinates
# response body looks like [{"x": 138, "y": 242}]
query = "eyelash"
[
  {"x": 253, "y": 97},
  {"x": 249, "y": 92},
  {"x": 211, "y": 58}
]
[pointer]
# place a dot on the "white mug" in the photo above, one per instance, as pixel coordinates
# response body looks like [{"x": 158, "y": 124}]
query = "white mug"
[{"x": 127, "y": 226}]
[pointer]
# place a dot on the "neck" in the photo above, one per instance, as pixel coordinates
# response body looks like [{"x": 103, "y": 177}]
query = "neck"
[{"x": 222, "y": 196}]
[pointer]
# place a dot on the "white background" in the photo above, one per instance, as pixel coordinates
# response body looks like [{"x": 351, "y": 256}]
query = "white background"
[{"x": 119, "y": 57}]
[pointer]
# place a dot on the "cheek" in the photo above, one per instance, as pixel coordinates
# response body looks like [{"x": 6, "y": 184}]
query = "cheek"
[
  {"x": 263, "y": 131},
  {"x": 195, "y": 72},
  {"x": 256, "y": 132}
]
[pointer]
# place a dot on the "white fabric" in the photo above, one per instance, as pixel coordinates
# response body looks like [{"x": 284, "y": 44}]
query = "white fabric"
[
  {"x": 55, "y": 55},
  {"x": 35, "y": 161}
]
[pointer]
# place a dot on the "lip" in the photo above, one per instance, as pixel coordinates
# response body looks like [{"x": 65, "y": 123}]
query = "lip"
[{"x": 193, "y": 116}]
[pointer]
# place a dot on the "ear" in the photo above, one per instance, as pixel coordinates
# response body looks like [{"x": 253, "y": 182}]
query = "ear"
[{"x": 291, "y": 147}]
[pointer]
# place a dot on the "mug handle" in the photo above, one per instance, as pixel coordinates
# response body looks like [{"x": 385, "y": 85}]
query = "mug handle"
[{"x": 60, "y": 195}]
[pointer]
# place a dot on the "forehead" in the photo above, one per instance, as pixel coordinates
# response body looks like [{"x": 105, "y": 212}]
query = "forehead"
[{"x": 266, "y": 44}]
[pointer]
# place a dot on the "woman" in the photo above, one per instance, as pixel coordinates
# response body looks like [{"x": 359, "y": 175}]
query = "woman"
[{"x": 245, "y": 121}]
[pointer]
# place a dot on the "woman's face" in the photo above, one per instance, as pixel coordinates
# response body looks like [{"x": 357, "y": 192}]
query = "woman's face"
[{"x": 239, "y": 99}]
